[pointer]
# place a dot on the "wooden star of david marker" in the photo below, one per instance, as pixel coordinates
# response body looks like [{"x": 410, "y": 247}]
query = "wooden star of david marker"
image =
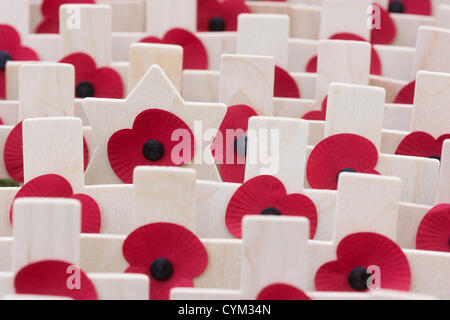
[{"x": 153, "y": 91}]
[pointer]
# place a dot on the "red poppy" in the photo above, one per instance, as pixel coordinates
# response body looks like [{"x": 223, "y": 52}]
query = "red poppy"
[
  {"x": 344, "y": 152},
  {"x": 375, "y": 65},
  {"x": 421, "y": 144},
  {"x": 50, "y": 12},
  {"x": 55, "y": 186},
  {"x": 319, "y": 115},
  {"x": 53, "y": 278},
  {"x": 214, "y": 15},
  {"x": 421, "y": 7},
  {"x": 195, "y": 55},
  {"x": 13, "y": 153},
  {"x": 285, "y": 85},
  {"x": 387, "y": 29},
  {"x": 171, "y": 255},
  {"x": 234, "y": 125},
  {"x": 281, "y": 291},
  {"x": 434, "y": 229},
  {"x": 103, "y": 82},
  {"x": 406, "y": 94},
  {"x": 151, "y": 142},
  {"x": 11, "y": 49},
  {"x": 355, "y": 254},
  {"x": 266, "y": 195}
]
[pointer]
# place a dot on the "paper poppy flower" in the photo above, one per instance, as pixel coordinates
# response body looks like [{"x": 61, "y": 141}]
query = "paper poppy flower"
[
  {"x": 11, "y": 49},
  {"x": 52, "y": 278},
  {"x": 285, "y": 86},
  {"x": 13, "y": 153},
  {"x": 50, "y": 12},
  {"x": 55, "y": 186},
  {"x": 420, "y": 7},
  {"x": 406, "y": 94},
  {"x": 266, "y": 195},
  {"x": 318, "y": 114},
  {"x": 355, "y": 254},
  {"x": 386, "y": 31},
  {"x": 171, "y": 255},
  {"x": 421, "y": 144},
  {"x": 91, "y": 81},
  {"x": 195, "y": 55},
  {"x": 344, "y": 152},
  {"x": 150, "y": 142},
  {"x": 214, "y": 15},
  {"x": 229, "y": 148},
  {"x": 375, "y": 65},
  {"x": 281, "y": 291},
  {"x": 434, "y": 229}
]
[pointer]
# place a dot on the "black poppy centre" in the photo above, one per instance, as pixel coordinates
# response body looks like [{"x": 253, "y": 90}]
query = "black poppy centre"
[
  {"x": 270, "y": 211},
  {"x": 4, "y": 58},
  {"x": 357, "y": 278},
  {"x": 153, "y": 150},
  {"x": 85, "y": 89},
  {"x": 396, "y": 7},
  {"x": 216, "y": 24},
  {"x": 345, "y": 170},
  {"x": 240, "y": 145},
  {"x": 161, "y": 269}
]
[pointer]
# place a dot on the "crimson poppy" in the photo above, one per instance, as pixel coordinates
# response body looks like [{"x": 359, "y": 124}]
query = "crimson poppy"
[
  {"x": 319, "y": 115},
  {"x": 195, "y": 55},
  {"x": 285, "y": 86},
  {"x": 11, "y": 49},
  {"x": 13, "y": 153},
  {"x": 281, "y": 291},
  {"x": 50, "y": 12},
  {"x": 150, "y": 142},
  {"x": 230, "y": 153},
  {"x": 357, "y": 254},
  {"x": 91, "y": 81},
  {"x": 51, "y": 278},
  {"x": 421, "y": 144},
  {"x": 434, "y": 229},
  {"x": 344, "y": 152},
  {"x": 55, "y": 186},
  {"x": 214, "y": 15},
  {"x": 406, "y": 94},
  {"x": 375, "y": 65},
  {"x": 420, "y": 7},
  {"x": 266, "y": 195},
  {"x": 169, "y": 254},
  {"x": 387, "y": 30}
]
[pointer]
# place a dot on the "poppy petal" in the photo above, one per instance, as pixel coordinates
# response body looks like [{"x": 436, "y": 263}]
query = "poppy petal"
[
  {"x": 108, "y": 84},
  {"x": 338, "y": 152},
  {"x": 227, "y": 10},
  {"x": 281, "y": 291},
  {"x": 195, "y": 55},
  {"x": 84, "y": 65},
  {"x": 371, "y": 249},
  {"x": 166, "y": 240},
  {"x": 434, "y": 229},
  {"x": 421, "y": 144},
  {"x": 406, "y": 94},
  {"x": 85, "y": 154},
  {"x": 387, "y": 31},
  {"x": 299, "y": 205},
  {"x": 285, "y": 85},
  {"x": 311, "y": 66},
  {"x": 9, "y": 37},
  {"x": 332, "y": 276},
  {"x": 234, "y": 123},
  {"x": 13, "y": 153},
  {"x": 24, "y": 54},
  {"x": 54, "y": 278},
  {"x": 91, "y": 219},
  {"x": 125, "y": 147},
  {"x": 318, "y": 115},
  {"x": 48, "y": 26}
]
